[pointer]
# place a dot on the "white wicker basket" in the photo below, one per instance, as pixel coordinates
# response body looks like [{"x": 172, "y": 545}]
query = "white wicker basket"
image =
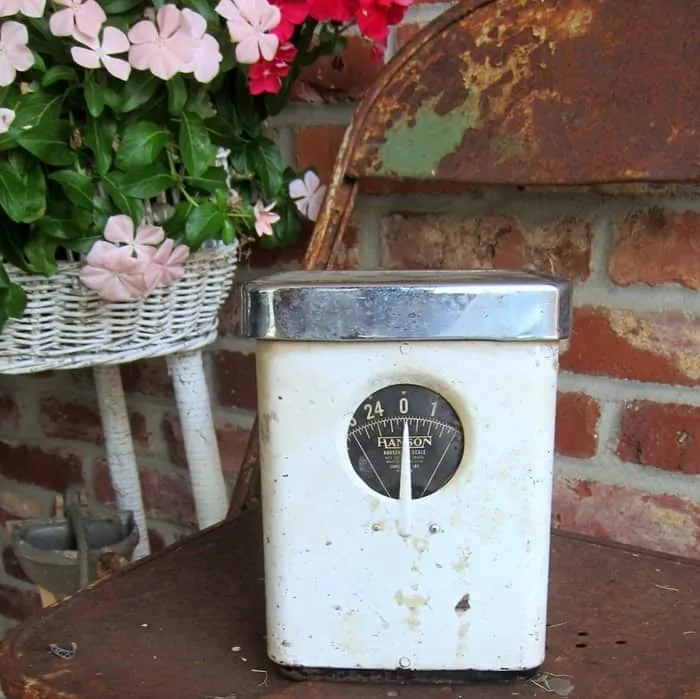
[{"x": 66, "y": 325}]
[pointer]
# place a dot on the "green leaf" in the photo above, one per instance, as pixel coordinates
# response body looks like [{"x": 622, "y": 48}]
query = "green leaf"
[
  {"x": 175, "y": 225},
  {"x": 241, "y": 162},
  {"x": 11, "y": 243},
  {"x": 36, "y": 108},
  {"x": 196, "y": 149},
  {"x": 205, "y": 8},
  {"x": 212, "y": 180},
  {"x": 41, "y": 253},
  {"x": 115, "y": 7},
  {"x": 205, "y": 222},
  {"x": 57, "y": 228},
  {"x": 22, "y": 195},
  {"x": 228, "y": 232},
  {"x": 81, "y": 245},
  {"x": 16, "y": 300},
  {"x": 131, "y": 207},
  {"x": 288, "y": 227},
  {"x": 225, "y": 133},
  {"x": 144, "y": 183},
  {"x": 141, "y": 145},
  {"x": 59, "y": 74},
  {"x": 102, "y": 210},
  {"x": 264, "y": 158},
  {"x": 139, "y": 89},
  {"x": 94, "y": 96},
  {"x": 13, "y": 298},
  {"x": 77, "y": 187},
  {"x": 49, "y": 143},
  {"x": 11, "y": 193},
  {"x": 177, "y": 95},
  {"x": 98, "y": 138},
  {"x": 35, "y": 196}
]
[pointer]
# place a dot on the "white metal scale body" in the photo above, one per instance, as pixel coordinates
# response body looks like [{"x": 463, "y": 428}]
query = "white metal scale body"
[{"x": 358, "y": 580}]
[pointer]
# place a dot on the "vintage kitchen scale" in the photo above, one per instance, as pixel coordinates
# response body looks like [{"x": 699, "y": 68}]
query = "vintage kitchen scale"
[{"x": 406, "y": 446}]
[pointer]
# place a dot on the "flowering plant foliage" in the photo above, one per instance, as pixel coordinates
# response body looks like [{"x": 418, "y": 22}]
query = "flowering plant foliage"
[{"x": 134, "y": 131}]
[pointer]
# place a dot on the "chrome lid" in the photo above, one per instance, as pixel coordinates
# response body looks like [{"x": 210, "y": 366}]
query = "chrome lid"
[{"x": 407, "y": 305}]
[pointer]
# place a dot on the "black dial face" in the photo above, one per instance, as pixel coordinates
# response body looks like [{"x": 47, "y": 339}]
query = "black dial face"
[{"x": 376, "y": 439}]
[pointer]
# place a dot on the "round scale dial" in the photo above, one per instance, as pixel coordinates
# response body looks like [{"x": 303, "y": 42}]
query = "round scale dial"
[{"x": 409, "y": 424}]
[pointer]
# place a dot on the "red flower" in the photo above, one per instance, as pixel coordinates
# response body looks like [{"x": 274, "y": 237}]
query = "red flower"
[
  {"x": 294, "y": 12},
  {"x": 266, "y": 76},
  {"x": 335, "y": 10},
  {"x": 376, "y": 16}
]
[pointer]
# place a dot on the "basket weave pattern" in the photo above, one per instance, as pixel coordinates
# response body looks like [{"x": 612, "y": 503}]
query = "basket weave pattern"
[{"x": 66, "y": 325}]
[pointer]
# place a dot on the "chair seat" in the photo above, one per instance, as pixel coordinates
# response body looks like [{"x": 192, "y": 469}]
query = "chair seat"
[{"x": 189, "y": 623}]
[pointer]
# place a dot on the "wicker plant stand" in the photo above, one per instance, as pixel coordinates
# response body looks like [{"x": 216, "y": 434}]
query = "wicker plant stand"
[{"x": 67, "y": 326}]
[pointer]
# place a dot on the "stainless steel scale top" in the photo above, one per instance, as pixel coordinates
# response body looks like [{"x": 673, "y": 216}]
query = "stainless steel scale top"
[{"x": 407, "y": 305}]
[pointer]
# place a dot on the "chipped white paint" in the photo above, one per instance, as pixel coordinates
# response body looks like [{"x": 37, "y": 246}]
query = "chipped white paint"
[
  {"x": 467, "y": 588},
  {"x": 119, "y": 447},
  {"x": 199, "y": 436}
]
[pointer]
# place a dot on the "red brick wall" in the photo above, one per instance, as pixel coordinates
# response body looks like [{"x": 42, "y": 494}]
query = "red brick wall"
[{"x": 628, "y": 433}]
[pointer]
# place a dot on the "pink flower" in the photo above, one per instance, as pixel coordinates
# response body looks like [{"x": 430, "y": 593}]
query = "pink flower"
[
  {"x": 166, "y": 265},
  {"x": 120, "y": 229},
  {"x": 264, "y": 218},
  {"x": 165, "y": 50},
  {"x": 7, "y": 116},
  {"x": 207, "y": 56},
  {"x": 85, "y": 17},
  {"x": 113, "y": 273},
  {"x": 308, "y": 194},
  {"x": 249, "y": 25},
  {"x": 28, "y": 8},
  {"x": 14, "y": 54},
  {"x": 113, "y": 41}
]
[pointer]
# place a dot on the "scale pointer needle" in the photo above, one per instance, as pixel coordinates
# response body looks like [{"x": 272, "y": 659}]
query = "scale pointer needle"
[{"x": 405, "y": 495}]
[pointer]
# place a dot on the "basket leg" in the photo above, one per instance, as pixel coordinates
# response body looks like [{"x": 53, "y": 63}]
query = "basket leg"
[
  {"x": 120, "y": 449},
  {"x": 194, "y": 406}
]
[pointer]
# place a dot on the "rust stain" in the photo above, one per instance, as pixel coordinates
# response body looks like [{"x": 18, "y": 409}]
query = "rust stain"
[
  {"x": 532, "y": 102},
  {"x": 462, "y": 563},
  {"x": 462, "y": 604},
  {"x": 265, "y": 420},
  {"x": 413, "y": 603}
]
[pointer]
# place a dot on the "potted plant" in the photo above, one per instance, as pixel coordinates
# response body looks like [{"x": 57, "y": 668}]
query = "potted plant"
[{"x": 135, "y": 161}]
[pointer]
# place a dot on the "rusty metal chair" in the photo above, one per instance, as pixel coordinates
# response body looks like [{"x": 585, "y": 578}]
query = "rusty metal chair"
[{"x": 523, "y": 93}]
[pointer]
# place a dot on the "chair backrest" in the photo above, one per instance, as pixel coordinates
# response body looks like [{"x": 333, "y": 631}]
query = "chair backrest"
[{"x": 529, "y": 92}]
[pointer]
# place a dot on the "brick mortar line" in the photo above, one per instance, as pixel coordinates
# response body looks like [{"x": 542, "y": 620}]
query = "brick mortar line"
[
  {"x": 608, "y": 430},
  {"x": 638, "y": 297},
  {"x": 602, "y": 244},
  {"x": 501, "y": 200},
  {"x": 646, "y": 478},
  {"x": 622, "y": 390},
  {"x": 299, "y": 115}
]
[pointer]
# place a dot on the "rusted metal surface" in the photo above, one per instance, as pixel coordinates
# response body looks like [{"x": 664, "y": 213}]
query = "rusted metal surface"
[
  {"x": 189, "y": 624},
  {"x": 539, "y": 92}
]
